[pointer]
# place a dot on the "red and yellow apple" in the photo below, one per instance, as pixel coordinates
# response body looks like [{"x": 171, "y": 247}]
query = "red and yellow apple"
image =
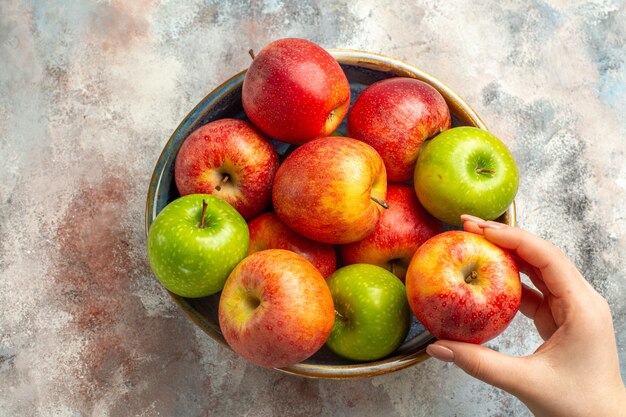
[
  {"x": 395, "y": 116},
  {"x": 402, "y": 228},
  {"x": 462, "y": 287},
  {"x": 295, "y": 91},
  {"x": 331, "y": 190},
  {"x": 275, "y": 309},
  {"x": 267, "y": 231},
  {"x": 229, "y": 159}
]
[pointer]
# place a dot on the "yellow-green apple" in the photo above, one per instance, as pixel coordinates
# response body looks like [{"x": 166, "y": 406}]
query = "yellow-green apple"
[
  {"x": 267, "y": 231},
  {"x": 395, "y": 116},
  {"x": 331, "y": 190},
  {"x": 275, "y": 309},
  {"x": 372, "y": 313},
  {"x": 295, "y": 91},
  {"x": 463, "y": 287},
  {"x": 402, "y": 228},
  {"x": 230, "y": 159},
  {"x": 465, "y": 170},
  {"x": 194, "y": 243}
]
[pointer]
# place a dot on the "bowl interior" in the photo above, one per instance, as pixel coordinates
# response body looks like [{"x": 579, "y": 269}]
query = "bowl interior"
[{"x": 362, "y": 69}]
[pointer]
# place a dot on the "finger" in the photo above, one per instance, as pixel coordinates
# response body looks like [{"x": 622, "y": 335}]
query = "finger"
[
  {"x": 532, "y": 273},
  {"x": 537, "y": 307},
  {"x": 545, "y": 322},
  {"x": 470, "y": 224},
  {"x": 531, "y": 301},
  {"x": 500, "y": 370},
  {"x": 559, "y": 274},
  {"x": 472, "y": 227}
]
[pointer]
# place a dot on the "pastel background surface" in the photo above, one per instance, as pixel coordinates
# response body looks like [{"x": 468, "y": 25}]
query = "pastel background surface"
[{"x": 91, "y": 91}]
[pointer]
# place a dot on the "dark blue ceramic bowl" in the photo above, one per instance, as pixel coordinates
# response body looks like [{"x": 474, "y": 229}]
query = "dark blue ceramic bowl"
[{"x": 362, "y": 69}]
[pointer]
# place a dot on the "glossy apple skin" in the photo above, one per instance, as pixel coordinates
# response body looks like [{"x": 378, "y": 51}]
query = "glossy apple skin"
[
  {"x": 295, "y": 91},
  {"x": 192, "y": 261},
  {"x": 267, "y": 231},
  {"x": 230, "y": 159},
  {"x": 324, "y": 189},
  {"x": 465, "y": 170},
  {"x": 275, "y": 309},
  {"x": 373, "y": 315},
  {"x": 395, "y": 116},
  {"x": 451, "y": 308},
  {"x": 402, "y": 228}
]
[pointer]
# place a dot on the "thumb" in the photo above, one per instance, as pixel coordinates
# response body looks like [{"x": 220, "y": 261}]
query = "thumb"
[{"x": 506, "y": 372}]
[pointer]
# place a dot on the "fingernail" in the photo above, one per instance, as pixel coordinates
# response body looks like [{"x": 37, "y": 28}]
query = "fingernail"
[
  {"x": 440, "y": 352},
  {"x": 470, "y": 218},
  {"x": 489, "y": 225}
]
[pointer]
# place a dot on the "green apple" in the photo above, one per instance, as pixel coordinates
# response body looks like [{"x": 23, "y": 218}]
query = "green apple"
[
  {"x": 465, "y": 170},
  {"x": 195, "y": 242},
  {"x": 372, "y": 313}
]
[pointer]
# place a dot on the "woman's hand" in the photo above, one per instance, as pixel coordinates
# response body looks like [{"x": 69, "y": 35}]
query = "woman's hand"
[{"x": 575, "y": 372}]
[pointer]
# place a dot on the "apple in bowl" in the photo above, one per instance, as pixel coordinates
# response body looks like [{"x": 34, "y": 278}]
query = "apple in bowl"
[
  {"x": 276, "y": 309},
  {"x": 230, "y": 159},
  {"x": 295, "y": 91},
  {"x": 463, "y": 287},
  {"x": 267, "y": 231},
  {"x": 331, "y": 190},
  {"x": 395, "y": 116},
  {"x": 465, "y": 170}
]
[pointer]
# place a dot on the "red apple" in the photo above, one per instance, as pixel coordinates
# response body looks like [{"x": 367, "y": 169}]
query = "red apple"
[
  {"x": 395, "y": 116},
  {"x": 295, "y": 91},
  {"x": 463, "y": 287},
  {"x": 402, "y": 228},
  {"x": 331, "y": 190},
  {"x": 229, "y": 159},
  {"x": 267, "y": 231},
  {"x": 275, "y": 309}
]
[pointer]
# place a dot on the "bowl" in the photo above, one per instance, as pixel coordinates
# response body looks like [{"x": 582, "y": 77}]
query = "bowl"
[{"x": 362, "y": 69}]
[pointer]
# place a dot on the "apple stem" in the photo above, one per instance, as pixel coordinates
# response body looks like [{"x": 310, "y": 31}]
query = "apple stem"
[
  {"x": 338, "y": 314},
  {"x": 223, "y": 181},
  {"x": 471, "y": 277},
  {"x": 251, "y": 52},
  {"x": 204, "y": 206},
  {"x": 381, "y": 202},
  {"x": 481, "y": 170}
]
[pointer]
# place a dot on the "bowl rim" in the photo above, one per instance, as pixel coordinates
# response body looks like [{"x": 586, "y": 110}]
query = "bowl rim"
[{"x": 345, "y": 57}]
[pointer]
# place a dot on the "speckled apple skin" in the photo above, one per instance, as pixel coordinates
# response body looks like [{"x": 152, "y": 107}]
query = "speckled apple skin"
[
  {"x": 267, "y": 231},
  {"x": 395, "y": 116},
  {"x": 291, "y": 88},
  {"x": 294, "y": 317},
  {"x": 196, "y": 267},
  {"x": 376, "y": 314},
  {"x": 233, "y": 147},
  {"x": 323, "y": 189},
  {"x": 449, "y": 307},
  {"x": 402, "y": 228}
]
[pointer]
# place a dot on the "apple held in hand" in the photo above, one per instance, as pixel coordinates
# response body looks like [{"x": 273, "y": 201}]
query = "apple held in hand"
[
  {"x": 465, "y": 170},
  {"x": 194, "y": 243},
  {"x": 295, "y": 91},
  {"x": 463, "y": 287},
  {"x": 372, "y": 313},
  {"x": 395, "y": 116},
  {"x": 267, "y": 231},
  {"x": 331, "y": 190},
  {"x": 402, "y": 228},
  {"x": 275, "y": 309},
  {"x": 228, "y": 158}
]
